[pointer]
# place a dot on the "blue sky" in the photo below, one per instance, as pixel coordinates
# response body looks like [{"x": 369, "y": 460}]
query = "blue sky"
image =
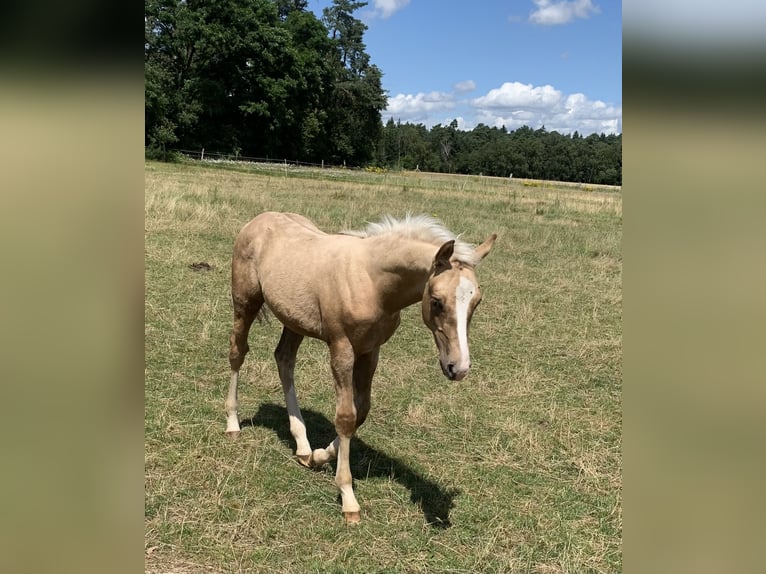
[{"x": 556, "y": 63}]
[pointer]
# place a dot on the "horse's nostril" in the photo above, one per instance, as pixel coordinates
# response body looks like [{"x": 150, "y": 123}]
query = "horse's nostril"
[{"x": 451, "y": 370}]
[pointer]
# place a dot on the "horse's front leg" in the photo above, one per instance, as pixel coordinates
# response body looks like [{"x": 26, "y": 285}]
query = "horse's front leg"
[
  {"x": 342, "y": 363},
  {"x": 364, "y": 369}
]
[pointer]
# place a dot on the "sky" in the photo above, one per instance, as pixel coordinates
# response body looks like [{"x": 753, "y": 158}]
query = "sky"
[{"x": 551, "y": 63}]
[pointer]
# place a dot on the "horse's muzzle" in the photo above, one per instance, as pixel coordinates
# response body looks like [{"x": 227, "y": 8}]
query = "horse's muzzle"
[{"x": 453, "y": 372}]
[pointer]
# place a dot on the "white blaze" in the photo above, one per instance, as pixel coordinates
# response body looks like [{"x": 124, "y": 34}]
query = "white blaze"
[{"x": 463, "y": 294}]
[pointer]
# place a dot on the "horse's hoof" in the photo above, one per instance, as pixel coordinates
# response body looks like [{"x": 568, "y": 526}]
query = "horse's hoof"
[
  {"x": 352, "y": 517},
  {"x": 232, "y": 434},
  {"x": 304, "y": 459}
]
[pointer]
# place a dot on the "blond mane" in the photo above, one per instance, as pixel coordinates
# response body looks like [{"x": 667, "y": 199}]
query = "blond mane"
[{"x": 420, "y": 228}]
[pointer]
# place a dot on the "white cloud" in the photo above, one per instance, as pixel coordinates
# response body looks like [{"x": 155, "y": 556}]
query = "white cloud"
[
  {"x": 417, "y": 108},
  {"x": 386, "y": 8},
  {"x": 466, "y": 86},
  {"x": 550, "y": 13},
  {"x": 518, "y": 95},
  {"x": 514, "y": 105}
]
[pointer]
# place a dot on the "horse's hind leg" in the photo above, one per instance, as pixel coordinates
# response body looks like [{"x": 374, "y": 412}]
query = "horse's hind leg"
[
  {"x": 245, "y": 311},
  {"x": 364, "y": 369},
  {"x": 285, "y": 354}
]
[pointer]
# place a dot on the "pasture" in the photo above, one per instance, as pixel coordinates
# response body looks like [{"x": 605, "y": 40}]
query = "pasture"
[{"x": 516, "y": 468}]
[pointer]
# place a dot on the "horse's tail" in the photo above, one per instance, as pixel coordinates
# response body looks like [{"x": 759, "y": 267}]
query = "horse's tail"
[{"x": 264, "y": 315}]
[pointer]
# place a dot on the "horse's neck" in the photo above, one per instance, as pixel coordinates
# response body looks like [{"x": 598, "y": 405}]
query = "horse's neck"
[{"x": 403, "y": 268}]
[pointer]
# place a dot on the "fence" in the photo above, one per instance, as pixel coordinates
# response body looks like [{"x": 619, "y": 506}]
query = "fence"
[{"x": 203, "y": 155}]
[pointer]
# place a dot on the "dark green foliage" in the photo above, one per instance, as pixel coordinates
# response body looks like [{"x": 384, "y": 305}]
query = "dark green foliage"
[
  {"x": 261, "y": 78},
  {"x": 357, "y": 97},
  {"x": 525, "y": 153}
]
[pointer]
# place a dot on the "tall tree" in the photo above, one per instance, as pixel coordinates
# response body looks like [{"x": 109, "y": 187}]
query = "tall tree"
[
  {"x": 222, "y": 66},
  {"x": 444, "y": 141},
  {"x": 348, "y": 33},
  {"x": 315, "y": 53},
  {"x": 357, "y": 96},
  {"x": 171, "y": 30},
  {"x": 250, "y": 76},
  {"x": 287, "y": 7}
]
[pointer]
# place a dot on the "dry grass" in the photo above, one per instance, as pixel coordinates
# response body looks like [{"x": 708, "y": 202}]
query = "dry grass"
[{"x": 517, "y": 468}]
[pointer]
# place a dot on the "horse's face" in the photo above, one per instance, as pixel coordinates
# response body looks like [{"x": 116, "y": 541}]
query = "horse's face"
[{"x": 449, "y": 301}]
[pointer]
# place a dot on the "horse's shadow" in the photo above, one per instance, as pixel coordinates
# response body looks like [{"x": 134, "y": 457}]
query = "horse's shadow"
[{"x": 366, "y": 461}]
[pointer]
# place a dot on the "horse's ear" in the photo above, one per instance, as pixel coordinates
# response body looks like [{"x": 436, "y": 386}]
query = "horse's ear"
[
  {"x": 441, "y": 261},
  {"x": 483, "y": 250}
]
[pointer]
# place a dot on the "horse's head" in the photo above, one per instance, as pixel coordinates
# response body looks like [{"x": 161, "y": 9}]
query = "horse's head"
[{"x": 449, "y": 300}]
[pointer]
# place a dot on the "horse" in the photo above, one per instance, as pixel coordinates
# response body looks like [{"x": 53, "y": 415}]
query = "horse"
[{"x": 348, "y": 289}]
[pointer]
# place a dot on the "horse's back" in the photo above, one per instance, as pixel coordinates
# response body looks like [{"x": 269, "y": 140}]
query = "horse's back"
[
  {"x": 270, "y": 224},
  {"x": 293, "y": 265},
  {"x": 273, "y": 234}
]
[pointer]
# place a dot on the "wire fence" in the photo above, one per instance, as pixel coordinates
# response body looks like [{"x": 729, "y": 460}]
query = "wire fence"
[{"x": 216, "y": 157}]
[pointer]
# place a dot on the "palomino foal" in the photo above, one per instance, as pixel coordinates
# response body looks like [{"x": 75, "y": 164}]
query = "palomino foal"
[{"x": 348, "y": 290}]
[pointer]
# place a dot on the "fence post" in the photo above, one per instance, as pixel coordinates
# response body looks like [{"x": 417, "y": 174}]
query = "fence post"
[{"x": 202, "y": 155}]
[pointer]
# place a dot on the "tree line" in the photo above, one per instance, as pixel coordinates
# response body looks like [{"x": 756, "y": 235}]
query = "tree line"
[
  {"x": 267, "y": 78},
  {"x": 524, "y": 152}
]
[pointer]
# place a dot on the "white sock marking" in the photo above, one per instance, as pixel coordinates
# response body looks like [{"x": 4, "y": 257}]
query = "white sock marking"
[{"x": 297, "y": 426}]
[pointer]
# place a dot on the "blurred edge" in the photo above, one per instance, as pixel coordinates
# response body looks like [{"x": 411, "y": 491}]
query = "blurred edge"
[
  {"x": 694, "y": 304},
  {"x": 71, "y": 299}
]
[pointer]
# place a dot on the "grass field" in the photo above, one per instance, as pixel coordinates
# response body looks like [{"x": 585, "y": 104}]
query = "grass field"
[{"x": 517, "y": 468}]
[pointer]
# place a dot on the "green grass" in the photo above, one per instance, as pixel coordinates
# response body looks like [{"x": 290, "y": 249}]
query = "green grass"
[{"x": 515, "y": 469}]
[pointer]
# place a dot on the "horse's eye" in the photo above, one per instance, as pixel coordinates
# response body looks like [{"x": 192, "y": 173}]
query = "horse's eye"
[{"x": 436, "y": 304}]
